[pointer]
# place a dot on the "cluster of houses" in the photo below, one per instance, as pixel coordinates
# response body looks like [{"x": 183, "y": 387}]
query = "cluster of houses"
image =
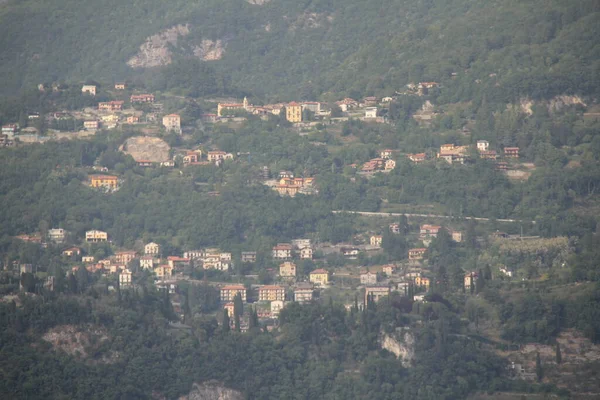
[
  {"x": 421, "y": 88},
  {"x": 298, "y": 248},
  {"x": 288, "y": 185},
  {"x": 384, "y": 162},
  {"x": 196, "y": 157},
  {"x": 458, "y": 154},
  {"x": 411, "y": 276},
  {"x": 9, "y": 131},
  {"x": 109, "y": 114},
  {"x": 454, "y": 154},
  {"x": 294, "y": 112},
  {"x": 271, "y": 299},
  {"x": 410, "y": 279},
  {"x": 149, "y": 260}
]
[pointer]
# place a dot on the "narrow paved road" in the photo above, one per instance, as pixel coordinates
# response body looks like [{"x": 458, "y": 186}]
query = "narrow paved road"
[{"x": 384, "y": 214}]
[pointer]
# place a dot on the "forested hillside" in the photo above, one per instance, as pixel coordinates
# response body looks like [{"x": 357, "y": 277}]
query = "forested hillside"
[
  {"x": 383, "y": 199},
  {"x": 506, "y": 49}
]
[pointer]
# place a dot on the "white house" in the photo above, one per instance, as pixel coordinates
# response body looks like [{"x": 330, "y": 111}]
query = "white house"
[
  {"x": 152, "y": 248},
  {"x": 483, "y": 145},
  {"x": 371, "y": 112}
]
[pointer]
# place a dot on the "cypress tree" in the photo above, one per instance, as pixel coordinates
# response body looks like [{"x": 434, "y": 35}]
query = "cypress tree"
[
  {"x": 238, "y": 311},
  {"x": 225, "y": 320},
  {"x": 539, "y": 371}
]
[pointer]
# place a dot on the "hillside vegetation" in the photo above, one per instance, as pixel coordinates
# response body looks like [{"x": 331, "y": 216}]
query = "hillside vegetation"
[{"x": 506, "y": 49}]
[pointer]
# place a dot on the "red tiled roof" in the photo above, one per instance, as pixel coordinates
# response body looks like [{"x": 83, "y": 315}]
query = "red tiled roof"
[
  {"x": 319, "y": 271},
  {"x": 271, "y": 287},
  {"x": 234, "y": 287}
]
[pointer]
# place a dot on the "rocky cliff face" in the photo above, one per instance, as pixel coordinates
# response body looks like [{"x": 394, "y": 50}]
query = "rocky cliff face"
[
  {"x": 210, "y": 50},
  {"x": 402, "y": 344},
  {"x": 212, "y": 391},
  {"x": 80, "y": 342},
  {"x": 146, "y": 148},
  {"x": 158, "y": 49},
  {"x": 555, "y": 104},
  {"x": 155, "y": 51}
]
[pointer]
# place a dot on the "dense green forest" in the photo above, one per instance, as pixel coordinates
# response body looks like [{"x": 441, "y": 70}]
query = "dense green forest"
[
  {"x": 322, "y": 351},
  {"x": 284, "y": 49}
]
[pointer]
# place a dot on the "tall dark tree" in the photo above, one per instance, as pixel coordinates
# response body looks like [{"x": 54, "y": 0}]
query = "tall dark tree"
[
  {"x": 238, "y": 311},
  {"x": 226, "y": 321},
  {"x": 72, "y": 283},
  {"x": 539, "y": 369}
]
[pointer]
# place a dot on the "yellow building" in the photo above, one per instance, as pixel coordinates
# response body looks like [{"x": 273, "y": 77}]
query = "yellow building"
[
  {"x": 163, "y": 271},
  {"x": 107, "y": 181},
  {"x": 293, "y": 112},
  {"x": 376, "y": 240},
  {"x": 230, "y": 308},
  {"x": 421, "y": 281},
  {"x": 319, "y": 276},
  {"x": 470, "y": 279},
  {"x": 287, "y": 270},
  {"x": 110, "y": 118}
]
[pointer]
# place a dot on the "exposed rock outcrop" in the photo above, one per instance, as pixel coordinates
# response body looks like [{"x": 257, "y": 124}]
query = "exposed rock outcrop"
[
  {"x": 555, "y": 104},
  {"x": 210, "y": 50},
  {"x": 155, "y": 51},
  {"x": 146, "y": 148},
  {"x": 212, "y": 390},
  {"x": 310, "y": 20},
  {"x": 258, "y": 2},
  {"x": 559, "y": 102},
  {"x": 80, "y": 342},
  {"x": 402, "y": 344},
  {"x": 158, "y": 49}
]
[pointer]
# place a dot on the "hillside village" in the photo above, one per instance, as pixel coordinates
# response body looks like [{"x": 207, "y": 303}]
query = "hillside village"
[
  {"x": 298, "y": 273},
  {"x": 145, "y": 114},
  {"x": 280, "y": 200},
  {"x": 288, "y": 280},
  {"x": 393, "y": 250}
]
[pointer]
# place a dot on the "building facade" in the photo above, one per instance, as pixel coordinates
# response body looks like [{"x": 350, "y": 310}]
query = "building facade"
[
  {"x": 271, "y": 293},
  {"x": 152, "y": 249},
  {"x": 293, "y": 112},
  {"x": 229, "y": 292},
  {"x": 95, "y": 236},
  {"x": 319, "y": 277},
  {"x": 105, "y": 181},
  {"x": 172, "y": 123},
  {"x": 287, "y": 270}
]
